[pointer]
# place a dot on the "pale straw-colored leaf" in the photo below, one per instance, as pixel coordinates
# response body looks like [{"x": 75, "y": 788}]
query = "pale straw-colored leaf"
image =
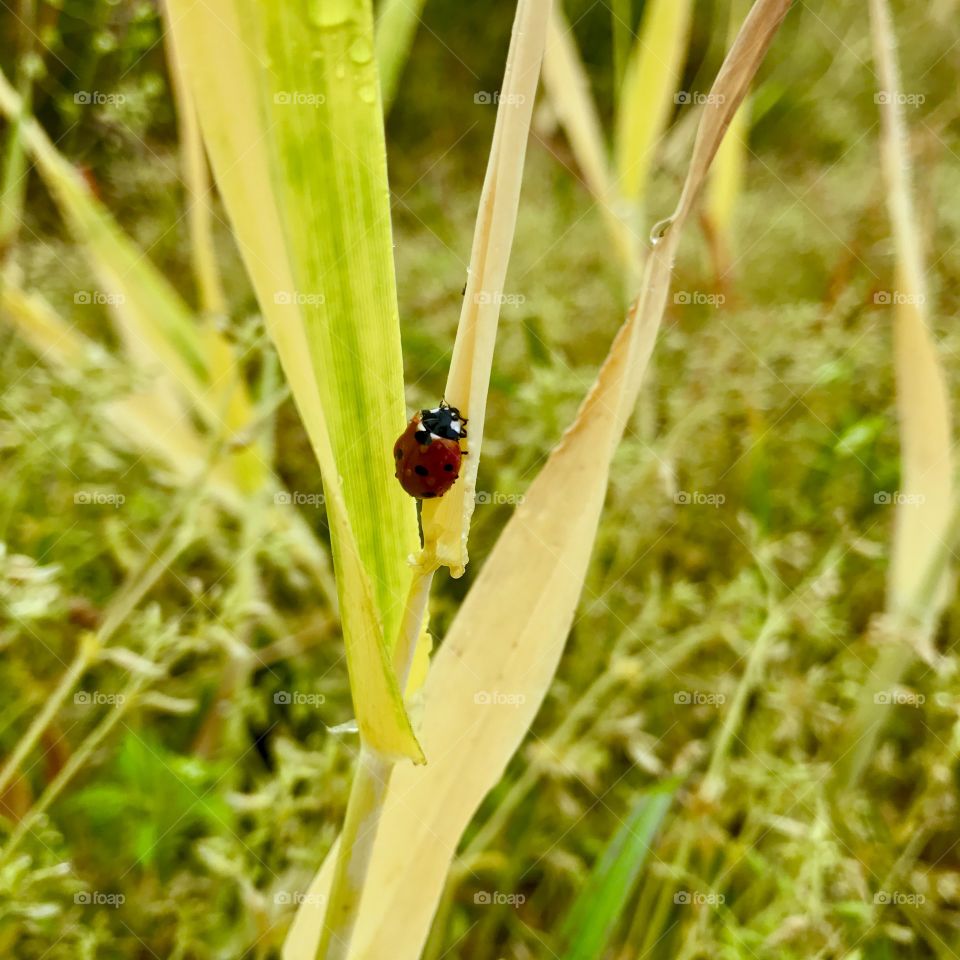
[
  {"x": 495, "y": 665},
  {"x": 926, "y": 492},
  {"x": 446, "y": 522},
  {"x": 567, "y": 86}
]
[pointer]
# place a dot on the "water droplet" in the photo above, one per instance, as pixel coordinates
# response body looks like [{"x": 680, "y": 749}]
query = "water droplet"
[
  {"x": 659, "y": 230},
  {"x": 367, "y": 94},
  {"x": 361, "y": 51},
  {"x": 329, "y": 13}
]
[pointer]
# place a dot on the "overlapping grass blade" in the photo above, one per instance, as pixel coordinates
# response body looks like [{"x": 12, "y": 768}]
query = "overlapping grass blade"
[
  {"x": 156, "y": 326},
  {"x": 589, "y": 926},
  {"x": 926, "y": 500},
  {"x": 446, "y": 522},
  {"x": 567, "y": 85},
  {"x": 287, "y": 96},
  {"x": 508, "y": 636},
  {"x": 649, "y": 86},
  {"x": 396, "y": 27}
]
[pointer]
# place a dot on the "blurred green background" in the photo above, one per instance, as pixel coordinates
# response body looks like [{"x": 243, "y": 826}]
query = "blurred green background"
[{"x": 747, "y": 500}]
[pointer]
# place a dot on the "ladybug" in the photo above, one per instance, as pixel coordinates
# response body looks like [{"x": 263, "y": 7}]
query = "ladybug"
[{"x": 428, "y": 452}]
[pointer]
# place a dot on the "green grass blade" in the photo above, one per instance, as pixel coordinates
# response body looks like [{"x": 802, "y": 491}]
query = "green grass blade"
[
  {"x": 301, "y": 166},
  {"x": 396, "y": 27},
  {"x": 593, "y": 917}
]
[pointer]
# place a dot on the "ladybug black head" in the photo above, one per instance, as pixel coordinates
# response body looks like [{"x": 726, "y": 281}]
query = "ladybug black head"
[{"x": 444, "y": 422}]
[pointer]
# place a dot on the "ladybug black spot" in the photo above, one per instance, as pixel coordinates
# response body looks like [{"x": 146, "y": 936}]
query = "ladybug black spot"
[
  {"x": 398, "y": 453},
  {"x": 421, "y": 471},
  {"x": 448, "y": 467}
]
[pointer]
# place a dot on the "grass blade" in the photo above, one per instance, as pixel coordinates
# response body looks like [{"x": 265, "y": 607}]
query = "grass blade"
[
  {"x": 568, "y": 87},
  {"x": 446, "y": 522},
  {"x": 396, "y": 27},
  {"x": 647, "y": 100},
  {"x": 926, "y": 502},
  {"x": 593, "y": 918},
  {"x": 302, "y": 171}
]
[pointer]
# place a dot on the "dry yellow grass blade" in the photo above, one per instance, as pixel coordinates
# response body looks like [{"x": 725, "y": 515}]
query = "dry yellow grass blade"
[
  {"x": 918, "y": 579},
  {"x": 494, "y": 667},
  {"x": 446, "y": 522},
  {"x": 568, "y": 88},
  {"x": 146, "y": 422},
  {"x": 647, "y": 100},
  {"x": 926, "y": 499}
]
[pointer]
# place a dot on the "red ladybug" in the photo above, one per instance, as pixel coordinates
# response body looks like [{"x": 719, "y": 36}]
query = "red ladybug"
[{"x": 428, "y": 453}]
